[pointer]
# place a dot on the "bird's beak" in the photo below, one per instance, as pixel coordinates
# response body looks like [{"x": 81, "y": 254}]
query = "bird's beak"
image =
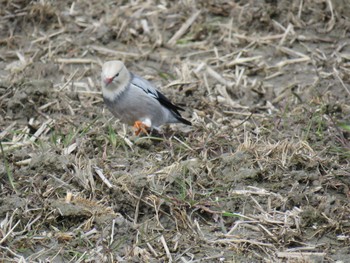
[{"x": 107, "y": 80}]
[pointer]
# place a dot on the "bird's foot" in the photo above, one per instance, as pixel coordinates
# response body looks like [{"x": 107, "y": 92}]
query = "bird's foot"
[{"x": 139, "y": 127}]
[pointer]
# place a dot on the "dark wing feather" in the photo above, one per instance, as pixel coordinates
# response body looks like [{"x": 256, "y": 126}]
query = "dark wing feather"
[
  {"x": 175, "y": 109},
  {"x": 167, "y": 103}
]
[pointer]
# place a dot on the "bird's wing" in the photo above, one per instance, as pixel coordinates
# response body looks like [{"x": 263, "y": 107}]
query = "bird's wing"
[
  {"x": 144, "y": 85},
  {"x": 148, "y": 88}
]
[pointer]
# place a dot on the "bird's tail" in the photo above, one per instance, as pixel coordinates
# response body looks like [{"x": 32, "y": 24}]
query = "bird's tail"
[{"x": 182, "y": 120}]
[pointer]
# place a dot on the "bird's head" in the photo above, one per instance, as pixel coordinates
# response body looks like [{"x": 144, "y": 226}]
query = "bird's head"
[{"x": 114, "y": 72}]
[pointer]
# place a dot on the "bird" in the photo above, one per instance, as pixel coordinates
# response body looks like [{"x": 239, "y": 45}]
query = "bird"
[{"x": 135, "y": 101}]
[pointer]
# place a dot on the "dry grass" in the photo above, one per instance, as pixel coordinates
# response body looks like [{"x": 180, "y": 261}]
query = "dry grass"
[{"x": 262, "y": 176}]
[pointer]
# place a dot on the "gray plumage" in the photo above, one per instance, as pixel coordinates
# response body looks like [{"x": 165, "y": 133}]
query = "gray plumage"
[{"x": 131, "y": 98}]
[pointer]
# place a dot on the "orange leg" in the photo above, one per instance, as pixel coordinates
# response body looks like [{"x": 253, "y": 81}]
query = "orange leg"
[{"x": 140, "y": 127}]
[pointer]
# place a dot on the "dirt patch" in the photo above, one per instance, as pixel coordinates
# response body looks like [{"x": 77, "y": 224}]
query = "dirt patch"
[{"x": 261, "y": 176}]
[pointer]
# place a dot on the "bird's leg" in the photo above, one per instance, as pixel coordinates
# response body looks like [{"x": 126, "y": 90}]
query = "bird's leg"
[{"x": 140, "y": 127}]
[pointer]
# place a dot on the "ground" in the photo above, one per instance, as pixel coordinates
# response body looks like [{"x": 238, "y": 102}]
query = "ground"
[{"x": 262, "y": 175}]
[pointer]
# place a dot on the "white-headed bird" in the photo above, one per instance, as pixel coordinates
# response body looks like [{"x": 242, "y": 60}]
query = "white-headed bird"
[{"x": 134, "y": 100}]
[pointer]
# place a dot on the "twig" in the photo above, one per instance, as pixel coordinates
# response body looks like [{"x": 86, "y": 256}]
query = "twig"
[
  {"x": 243, "y": 60},
  {"x": 69, "y": 80},
  {"x": 166, "y": 248},
  {"x": 138, "y": 207},
  {"x": 103, "y": 178},
  {"x": 183, "y": 28},
  {"x": 237, "y": 240},
  {"x": 37, "y": 134},
  {"x": 49, "y": 36},
  {"x": 185, "y": 144},
  {"x": 9, "y": 232},
  {"x": 109, "y": 51},
  {"x": 300, "y": 255},
  {"x": 219, "y": 78},
  {"x": 77, "y": 61},
  {"x": 336, "y": 73}
]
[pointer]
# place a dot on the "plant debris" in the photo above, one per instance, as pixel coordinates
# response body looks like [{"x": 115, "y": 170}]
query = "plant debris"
[{"x": 261, "y": 176}]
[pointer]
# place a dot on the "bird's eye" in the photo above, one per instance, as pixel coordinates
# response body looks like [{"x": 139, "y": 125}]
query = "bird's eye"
[{"x": 116, "y": 75}]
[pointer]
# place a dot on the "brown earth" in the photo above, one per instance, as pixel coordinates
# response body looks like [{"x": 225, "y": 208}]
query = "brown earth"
[{"x": 261, "y": 176}]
